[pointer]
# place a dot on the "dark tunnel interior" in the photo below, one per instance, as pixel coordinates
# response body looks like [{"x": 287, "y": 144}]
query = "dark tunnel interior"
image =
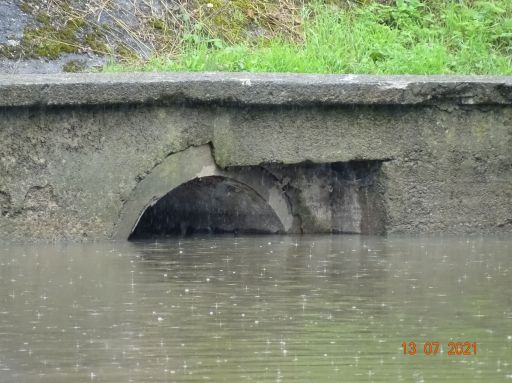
[{"x": 208, "y": 205}]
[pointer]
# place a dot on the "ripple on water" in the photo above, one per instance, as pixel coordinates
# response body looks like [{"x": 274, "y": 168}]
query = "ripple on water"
[{"x": 312, "y": 308}]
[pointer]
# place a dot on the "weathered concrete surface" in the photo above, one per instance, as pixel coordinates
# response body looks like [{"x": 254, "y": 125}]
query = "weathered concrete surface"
[
  {"x": 84, "y": 163},
  {"x": 12, "y": 22},
  {"x": 434, "y": 154},
  {"x": 44, "y": 65},
  {"x": 303, "y": 198},
  {"x": 252, "y": 89},
  {"x": 340, "y": 197}
]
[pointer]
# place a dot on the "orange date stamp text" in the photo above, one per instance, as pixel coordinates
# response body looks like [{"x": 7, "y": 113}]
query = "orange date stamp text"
[{"x": 433, "y": 348}]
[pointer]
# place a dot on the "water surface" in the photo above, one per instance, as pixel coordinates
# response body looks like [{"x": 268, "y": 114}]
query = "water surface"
[{"x": 256, "y": 309}]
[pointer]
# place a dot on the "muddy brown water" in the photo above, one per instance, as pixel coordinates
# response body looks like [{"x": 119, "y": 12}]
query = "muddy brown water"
[{"x": 256, "y": 309}]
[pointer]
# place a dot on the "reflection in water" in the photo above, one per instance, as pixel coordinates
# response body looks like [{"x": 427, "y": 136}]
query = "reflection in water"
[{"x": 297, "y": 309}]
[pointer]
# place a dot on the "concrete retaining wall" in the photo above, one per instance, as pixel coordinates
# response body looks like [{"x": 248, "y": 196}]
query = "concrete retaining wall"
[{"x": 75, "y": 149}]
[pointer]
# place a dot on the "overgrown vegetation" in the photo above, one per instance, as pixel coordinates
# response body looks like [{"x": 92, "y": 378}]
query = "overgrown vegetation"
[
  {"x": 134, "y": 30},
  {"x": 390, "y": 37},
  {"x": 310, "y": 36}
]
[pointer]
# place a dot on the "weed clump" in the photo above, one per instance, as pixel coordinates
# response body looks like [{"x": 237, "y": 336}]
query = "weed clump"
[
  {"x": 51, "y": 41},
  {"x": 73, "y": 66}
]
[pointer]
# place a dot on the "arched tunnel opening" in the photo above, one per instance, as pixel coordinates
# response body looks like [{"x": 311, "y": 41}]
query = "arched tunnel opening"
[{"x": 213, "y": 204}]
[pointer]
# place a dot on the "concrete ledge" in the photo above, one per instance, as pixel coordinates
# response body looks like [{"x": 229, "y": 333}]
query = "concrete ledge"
[{"x": 251, "y": 89}]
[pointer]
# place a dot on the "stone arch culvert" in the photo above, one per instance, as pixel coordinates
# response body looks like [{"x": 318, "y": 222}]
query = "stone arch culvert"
[{"x": 188, "y": 193}]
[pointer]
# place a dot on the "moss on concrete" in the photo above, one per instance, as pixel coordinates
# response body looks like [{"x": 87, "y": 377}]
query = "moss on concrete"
[
  {"x": 125, "y": 53},
  {"x": 51, "y": 42},
  {"x": 72, "y": 26},
  {"x": 10, "y": 52},
  {"x": 53, "y": 34},
  {"x": 74, "y": 66},
  {"x": 157, "y": 23},
  {"x": 96, "y": 41}
]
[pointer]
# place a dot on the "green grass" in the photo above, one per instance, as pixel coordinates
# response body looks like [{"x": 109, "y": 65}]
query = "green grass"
[{"x": 407, "y": 37}]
